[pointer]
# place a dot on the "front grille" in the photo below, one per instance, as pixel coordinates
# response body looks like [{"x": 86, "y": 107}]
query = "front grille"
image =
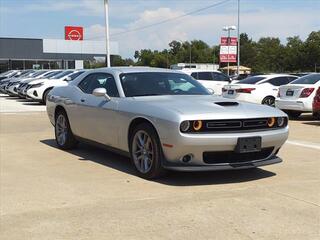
[
  {"x": 233, "y": 157},
  {"x": 236, "y": 125}
]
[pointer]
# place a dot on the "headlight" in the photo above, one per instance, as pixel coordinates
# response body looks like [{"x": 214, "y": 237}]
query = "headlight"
[
  {"x": 184, "y": 126},
  {"x": 281, "y": 121},
  {"x": 36, "y": 85}
]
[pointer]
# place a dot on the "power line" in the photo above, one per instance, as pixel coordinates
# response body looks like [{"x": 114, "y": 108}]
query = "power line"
[{"x": 170, "y": 19}]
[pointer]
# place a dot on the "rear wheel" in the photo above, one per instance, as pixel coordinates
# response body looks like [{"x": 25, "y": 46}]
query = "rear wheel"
[
  {"x": 146, "y": 152},
  {"x": 293, "y": 114},
  {"x": 270, "y": 101},
  {"x": 64, "y": 136}
]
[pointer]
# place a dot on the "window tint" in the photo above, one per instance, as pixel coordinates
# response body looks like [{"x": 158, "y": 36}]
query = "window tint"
[
  {"x": 220, "y": 76},
  {"x": 278, "y": 81},
  {"x": 160, "y": 83},
  {"x": 309, "y": 79},
  {"x": 205, "y": 76},
  {"x": 252, "y": 80},
  {"x": 99, "y": 80},
  {"x": 194, "y": 75},
  {"x": 290, "y": 79}
]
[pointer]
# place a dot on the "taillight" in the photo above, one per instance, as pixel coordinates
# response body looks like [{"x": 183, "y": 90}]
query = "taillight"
[
  {"x": 245, "y": 90},
  {"x": 306, "y": 92},
  {"x": 317, "y": 96}
]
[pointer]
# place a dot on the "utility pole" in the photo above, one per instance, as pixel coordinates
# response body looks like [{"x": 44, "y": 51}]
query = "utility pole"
[
  {"x": 106, "y": 12},
  {"x": 238, "y": 47}
]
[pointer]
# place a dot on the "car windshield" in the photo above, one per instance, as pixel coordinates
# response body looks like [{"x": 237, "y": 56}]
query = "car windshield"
[
  {"x": 74, "y": 75},
  {"x": 62, "y": 74},
  {"x": 252, "y": 80},
  {"x": 309, "y": 79},
  {"x": 38, "y": 73},
  {"x": 160, "y": 83},
  {"x": 51, "y": 74}
]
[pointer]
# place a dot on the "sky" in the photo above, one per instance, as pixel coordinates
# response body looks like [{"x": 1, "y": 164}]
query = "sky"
[{"x": 258, "y": 18}]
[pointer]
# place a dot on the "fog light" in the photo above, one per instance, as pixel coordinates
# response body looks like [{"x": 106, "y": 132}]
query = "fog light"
[
  {"x": 197, "y": 125},
  {"x": 184, "y": 126},
  {"x": 280, "y": 121},
  {"x": 187, "y": 158},
  {"x": 271, "y": 122}
]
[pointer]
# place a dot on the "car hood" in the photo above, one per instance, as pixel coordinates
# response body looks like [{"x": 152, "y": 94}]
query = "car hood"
[
  {"x": 41, "y": 80},
  {"x": 208, "y": 107}
]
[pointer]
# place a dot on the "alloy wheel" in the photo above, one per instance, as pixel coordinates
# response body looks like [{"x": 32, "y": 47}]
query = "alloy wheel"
[{"x": 143, "y": 153}]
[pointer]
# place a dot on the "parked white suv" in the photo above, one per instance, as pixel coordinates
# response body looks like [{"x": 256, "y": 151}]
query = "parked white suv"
[
  {"x": 39, "y": 89},
  {"x": 262, "y": 89},
  {"x": 213, "y": 80}
]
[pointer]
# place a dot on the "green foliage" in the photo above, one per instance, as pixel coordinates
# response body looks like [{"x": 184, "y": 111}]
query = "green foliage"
[{"x": 265, "y": 55}]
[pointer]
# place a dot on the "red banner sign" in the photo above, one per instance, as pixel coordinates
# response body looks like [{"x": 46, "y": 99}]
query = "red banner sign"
[
  {"x": 73, "y": 33},
  {"x": 228, "y": 52}
]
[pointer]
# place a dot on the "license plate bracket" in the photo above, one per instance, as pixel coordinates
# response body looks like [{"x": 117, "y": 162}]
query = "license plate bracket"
[
  {"x": 230, "y": 92},
  {"x": 248, "y": 144}
]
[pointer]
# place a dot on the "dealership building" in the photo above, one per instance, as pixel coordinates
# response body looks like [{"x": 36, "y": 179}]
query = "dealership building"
[{"x": 68, "y": 53}]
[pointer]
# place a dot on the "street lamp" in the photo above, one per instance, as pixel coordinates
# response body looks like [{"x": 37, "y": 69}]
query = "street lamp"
[
  {"x": 228, "y": 29},
  {"x": 106, "y": 12}
]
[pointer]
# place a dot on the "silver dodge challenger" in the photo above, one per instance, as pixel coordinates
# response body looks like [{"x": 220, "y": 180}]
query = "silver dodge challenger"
[{"x": 164, "y": 119}]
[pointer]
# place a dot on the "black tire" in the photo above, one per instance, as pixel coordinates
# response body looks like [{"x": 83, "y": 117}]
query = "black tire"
[
  {"x": 270, "y": 101},
  {"x": 45, "y": 95},
  {"x": 293, "y": 114},
  {"x": 156, "y": 170},
  {"x": 70, "y": 141}
]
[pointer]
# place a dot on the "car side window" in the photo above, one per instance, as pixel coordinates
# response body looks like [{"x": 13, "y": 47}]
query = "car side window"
[
  {"x": 290, "y": 79},
  {"x": 99, "y": 80},
  {"x": 219, "y": 77},
  {"x": 205, "y": 76},
  {"x": 194, "y": 75},
  {"x": 278, "y": 81}
]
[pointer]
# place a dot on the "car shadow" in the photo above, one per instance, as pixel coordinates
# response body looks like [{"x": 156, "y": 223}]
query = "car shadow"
[
  {"x": 86, "y": 152},
  {"x": 313, "y": 123},
  {"x": 304, "y": 117}
]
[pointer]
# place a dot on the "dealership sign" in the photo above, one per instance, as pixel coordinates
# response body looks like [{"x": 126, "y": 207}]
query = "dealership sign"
[
  {"x": 228, "y": 49},
  {"x": 73, "y": 33}
]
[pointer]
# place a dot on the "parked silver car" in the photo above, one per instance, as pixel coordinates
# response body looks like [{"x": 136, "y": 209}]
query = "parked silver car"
[{"x": 164, "y": 119}]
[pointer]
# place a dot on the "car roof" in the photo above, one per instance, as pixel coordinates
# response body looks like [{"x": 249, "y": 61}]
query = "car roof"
[
  {"x": 188, "y": 70},
  {"x": 273, "y": 75},
  {"x": 135, "y": 70}
]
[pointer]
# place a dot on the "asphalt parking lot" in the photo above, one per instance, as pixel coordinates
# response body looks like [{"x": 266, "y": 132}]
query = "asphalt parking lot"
[{"x": 89, "y": 193}]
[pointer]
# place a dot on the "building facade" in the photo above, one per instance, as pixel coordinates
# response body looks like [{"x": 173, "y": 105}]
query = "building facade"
[{"x": 28, "y": 53}]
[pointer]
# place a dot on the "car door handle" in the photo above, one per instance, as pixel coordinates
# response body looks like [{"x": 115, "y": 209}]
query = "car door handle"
[{"x": 82, "y": 100}]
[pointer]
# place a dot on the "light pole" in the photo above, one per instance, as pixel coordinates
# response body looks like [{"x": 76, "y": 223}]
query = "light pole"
[
  {"x": 106, "y": 12},
  {"x": 238, "y": 45},
  {"x": 228, "y": 29}
]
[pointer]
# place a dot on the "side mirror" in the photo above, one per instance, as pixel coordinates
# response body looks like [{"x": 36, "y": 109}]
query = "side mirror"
[
  {"x": 211, "y": 90},
  {"x": 67, "y": 79},
  {"x": 101, "y": 92}
]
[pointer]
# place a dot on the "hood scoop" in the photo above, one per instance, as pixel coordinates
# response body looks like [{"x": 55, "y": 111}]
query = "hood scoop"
[{"x": 227, "y": 104}]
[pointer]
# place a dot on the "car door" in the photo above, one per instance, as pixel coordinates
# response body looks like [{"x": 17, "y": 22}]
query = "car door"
[
  {"x": 99, "y": 115},
  {"x": 212, "y": 80},
  {"x": 220, "y": 80}
]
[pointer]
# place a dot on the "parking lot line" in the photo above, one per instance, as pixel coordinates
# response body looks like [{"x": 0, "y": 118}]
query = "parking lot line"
[{"x": 304, "y": 144}]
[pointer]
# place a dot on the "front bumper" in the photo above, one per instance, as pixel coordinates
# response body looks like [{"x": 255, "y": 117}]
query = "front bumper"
[
  {"x": 34, "y": 94},
  {"x": 222, "y": 166},
  {"x": 301, "y": 105},
  {"x": 196, "y": 145}
]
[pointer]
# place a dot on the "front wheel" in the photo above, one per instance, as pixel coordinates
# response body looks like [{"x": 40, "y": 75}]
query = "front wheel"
[
  {"x": 270, "y": 101},
  {"x": 146, "y": 152},
  {"x": 64, "y": 136}
]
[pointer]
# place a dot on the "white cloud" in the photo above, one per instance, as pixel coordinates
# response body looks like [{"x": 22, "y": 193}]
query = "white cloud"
[{"x": 207, "y": 27}]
